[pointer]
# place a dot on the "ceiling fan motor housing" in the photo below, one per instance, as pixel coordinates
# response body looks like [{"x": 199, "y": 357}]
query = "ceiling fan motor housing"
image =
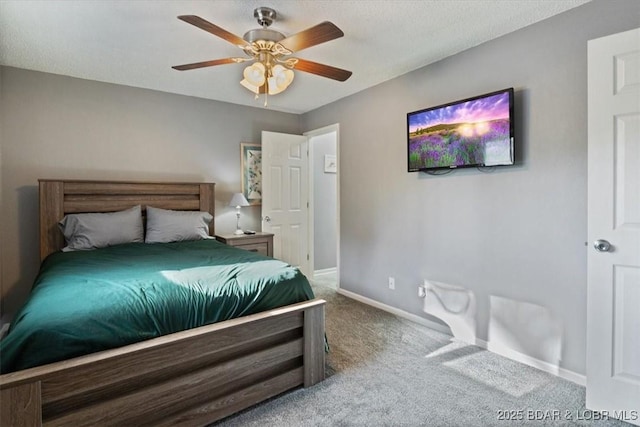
[
  {"x": 263, "y": 34},
  {"x": 265, "y": 16}
]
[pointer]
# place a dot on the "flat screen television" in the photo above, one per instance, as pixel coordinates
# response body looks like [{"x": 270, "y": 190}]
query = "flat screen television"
[{"x": 476, "y": 131}]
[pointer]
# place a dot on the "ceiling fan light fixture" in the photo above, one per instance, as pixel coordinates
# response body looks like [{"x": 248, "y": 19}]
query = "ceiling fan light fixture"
[
  {"x": 255, "y": 74},
  {"x": 272, "y": 69},
  {"x": 280, "y": 80},
  {"x": 252, "y": 88}
]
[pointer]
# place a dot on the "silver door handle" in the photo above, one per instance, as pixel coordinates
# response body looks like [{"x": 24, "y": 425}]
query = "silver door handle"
[
  {"x": 602, "y": 245},
  {"x": 267, "y": 218}
]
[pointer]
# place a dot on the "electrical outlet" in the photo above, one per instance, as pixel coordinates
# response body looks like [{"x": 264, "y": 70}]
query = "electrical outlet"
[{"x": 392, "y": 283}]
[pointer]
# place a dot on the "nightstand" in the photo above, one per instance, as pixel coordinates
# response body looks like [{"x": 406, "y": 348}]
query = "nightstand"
[{"x": 259, "y": 242}]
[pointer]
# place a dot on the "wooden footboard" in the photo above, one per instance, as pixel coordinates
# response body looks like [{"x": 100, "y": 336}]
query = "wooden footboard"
[{"x": 189, "y": 378}]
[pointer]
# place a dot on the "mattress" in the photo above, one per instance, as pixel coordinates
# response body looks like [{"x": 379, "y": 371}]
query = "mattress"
[{"x": 87, "y": 301}]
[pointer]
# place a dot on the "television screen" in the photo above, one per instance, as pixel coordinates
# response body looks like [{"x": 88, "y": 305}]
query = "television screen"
[{"x": 472, "y": 132}]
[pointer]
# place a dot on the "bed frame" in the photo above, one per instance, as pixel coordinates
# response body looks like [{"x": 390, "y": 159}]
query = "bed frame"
[{"x": 190, "y": 378}]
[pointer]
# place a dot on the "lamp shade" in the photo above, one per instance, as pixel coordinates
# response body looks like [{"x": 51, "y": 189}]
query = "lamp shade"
[
  {"x": 276, "y": 77},
  {"x": 238, "y": 200},
  {"x": 252, "y": 88},
  {"x": 254, "y": 74},
  {"x": 281, "y": 79},
  {"x": 254, "y": 77}
]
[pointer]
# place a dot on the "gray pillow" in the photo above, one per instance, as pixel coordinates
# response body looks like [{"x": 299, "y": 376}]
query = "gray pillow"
[
  {"x": 165, "y": 226},
  {"x": 98, "y": 230}
]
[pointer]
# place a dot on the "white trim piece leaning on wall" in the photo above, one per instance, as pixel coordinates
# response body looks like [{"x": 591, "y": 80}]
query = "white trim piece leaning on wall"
[{"x": 501, "y": 350}]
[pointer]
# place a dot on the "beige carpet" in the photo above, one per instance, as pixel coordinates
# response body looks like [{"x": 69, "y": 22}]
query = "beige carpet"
[{"x": 387, "y": 371}]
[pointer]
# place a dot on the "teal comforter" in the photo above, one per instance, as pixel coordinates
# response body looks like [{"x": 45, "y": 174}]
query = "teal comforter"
[{"x": 88, "y": 301}]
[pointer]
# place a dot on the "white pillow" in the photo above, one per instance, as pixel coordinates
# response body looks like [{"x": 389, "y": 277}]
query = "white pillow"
[
  {"x": 165, "y": 226},
  {"x": 98, "y": 230}
]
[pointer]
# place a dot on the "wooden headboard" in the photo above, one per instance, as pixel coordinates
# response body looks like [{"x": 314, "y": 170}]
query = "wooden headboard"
[{"x": 61, "y": 197}]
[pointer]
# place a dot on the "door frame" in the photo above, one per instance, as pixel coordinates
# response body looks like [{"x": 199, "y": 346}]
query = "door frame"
[{"x": 310, "y": 227}]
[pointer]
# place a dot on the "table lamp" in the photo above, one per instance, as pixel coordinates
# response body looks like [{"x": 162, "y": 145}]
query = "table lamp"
[{"x": 238, "y": 200}]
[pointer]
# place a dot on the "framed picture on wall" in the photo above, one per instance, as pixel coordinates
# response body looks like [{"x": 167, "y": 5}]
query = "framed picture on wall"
[
  {"x": 251, "y": 167},
  {"x": 330, "y": 163}
]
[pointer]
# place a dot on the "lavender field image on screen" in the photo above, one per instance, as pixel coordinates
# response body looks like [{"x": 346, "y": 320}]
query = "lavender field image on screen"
[{"x": 475, "y": 132}]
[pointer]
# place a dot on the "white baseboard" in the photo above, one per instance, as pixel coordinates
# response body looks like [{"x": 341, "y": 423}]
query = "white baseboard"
[
  {"x": 400, "y": 313},
  {"x": 501, "y": 350},
  {"x": 532, "y": 361},
  {"x": 324, "y": 272}
]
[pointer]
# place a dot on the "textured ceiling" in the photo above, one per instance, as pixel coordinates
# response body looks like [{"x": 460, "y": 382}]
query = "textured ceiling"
[{"x": 135, "y": 43}]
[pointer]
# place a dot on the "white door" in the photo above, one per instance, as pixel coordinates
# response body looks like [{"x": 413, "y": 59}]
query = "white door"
[
  {"x": 613, "y": 306},
  {"x": 285, "y": 199}
]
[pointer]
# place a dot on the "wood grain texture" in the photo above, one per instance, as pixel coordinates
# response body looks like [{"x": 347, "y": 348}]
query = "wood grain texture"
[
  {"x": 157, "y": 401},
  {"x": 214, "y": 29},
  {"x": 322, "y": 70},
  {"x": 128, "y": 187},
  {"x": 233, "y": 402},
  {"x": 51, "y": 211},
  {"x": 192, "y": 377},
  {"x": 259, "y": 242},
  {"x": 157, "y": 359},
  {"x": 61, "y": 197},
  {"x": 216, "y": 369},
  {"x": 314, "y": 345},
  {"x": 207, "y": 203},
  {"x": 20, "y": 406},
  {"x": 320, "y": 33}
]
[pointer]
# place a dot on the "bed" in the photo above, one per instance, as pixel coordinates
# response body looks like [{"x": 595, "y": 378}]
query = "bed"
[{"x": 191, "y": 377}]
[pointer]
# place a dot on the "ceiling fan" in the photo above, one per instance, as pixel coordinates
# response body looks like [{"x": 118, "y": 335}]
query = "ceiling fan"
[{"x": 270, "y": 51}]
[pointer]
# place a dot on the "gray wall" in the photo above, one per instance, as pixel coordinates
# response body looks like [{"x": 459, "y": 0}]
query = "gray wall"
[
  {"x": 517, "y": 234},
  {"x": 324, "y": 204},
  {"x": 62, "y": 127}
]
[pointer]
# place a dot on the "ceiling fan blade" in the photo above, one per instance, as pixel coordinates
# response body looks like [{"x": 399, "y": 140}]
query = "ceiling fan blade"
[
  {"x": 320, "y": 33},
  {"x": 322, "y": 70},
  {"x": 209, "y": 63},
  {"x": 214, "y": 29}
]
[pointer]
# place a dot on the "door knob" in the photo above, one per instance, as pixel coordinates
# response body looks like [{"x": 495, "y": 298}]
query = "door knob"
[
  {"x": 267, "y": 218},
  {"x": 602, "y": 245}
]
